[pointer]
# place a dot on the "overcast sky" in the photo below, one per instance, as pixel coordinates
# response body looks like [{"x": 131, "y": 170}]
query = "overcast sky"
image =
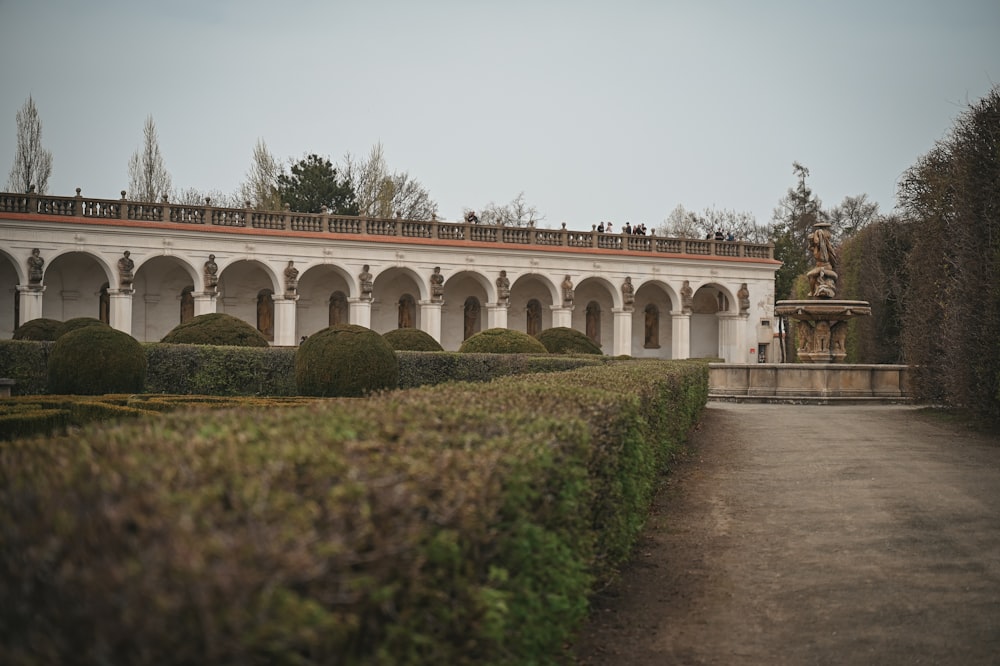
[{"x": 595, "y": 110}]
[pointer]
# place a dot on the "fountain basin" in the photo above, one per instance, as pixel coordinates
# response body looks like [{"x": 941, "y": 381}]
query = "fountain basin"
[{"x": 821, "y": 328}]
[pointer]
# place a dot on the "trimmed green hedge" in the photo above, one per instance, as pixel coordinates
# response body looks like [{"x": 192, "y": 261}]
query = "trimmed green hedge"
[
  {"x": 502, "y": 341},
  {"x": 424, "y": 368},
  {"x": 211, "y": 370},
  {"x": 565, "y": 340},
  {"x": 458, "y": 524}
]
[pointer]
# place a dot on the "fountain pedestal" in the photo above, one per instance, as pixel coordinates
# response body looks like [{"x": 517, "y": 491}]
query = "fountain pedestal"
[{"x": 821, "y": 328}]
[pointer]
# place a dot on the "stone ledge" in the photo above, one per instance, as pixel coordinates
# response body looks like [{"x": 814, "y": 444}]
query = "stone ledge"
[{"x": 811, "y": 382}]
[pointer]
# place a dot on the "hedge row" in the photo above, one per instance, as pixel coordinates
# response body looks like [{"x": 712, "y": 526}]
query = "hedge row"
[
  {"x": 460, "y": 524},
  {"x": 211, "y": 370}
]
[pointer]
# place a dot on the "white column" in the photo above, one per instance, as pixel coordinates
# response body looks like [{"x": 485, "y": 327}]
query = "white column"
[
  {"x": 496, "y": 315},
  {"x": 360, "y": 311},
  {"x": 121, "y": 309},
  {"x": 623, "y": 332},
  {"x": 30, "y": 306},
  {"x": 680, "y": 334},
  {"x": 204, "y": 303},
  {"x": 284, "y": 321},
  {"x": 430, "y": 319},
  {"x": 745, "y": 341},
  {"x": 562, "y": 317},
  {"x": 730, "y": 344}
]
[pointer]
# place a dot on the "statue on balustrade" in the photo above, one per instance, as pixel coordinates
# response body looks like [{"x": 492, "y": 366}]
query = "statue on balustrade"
[
  {"x": 125, "y": 276},
  {"x": 35, "y": 264},
  {"x": 211, "y": 274},
  {"x": 503, "y": 288},
  {"x": 567, "y": 289},
  {"x": 628, "y": 292},
  {"x": 366, "y": 283},
  {"x": 291, "y": 280}
]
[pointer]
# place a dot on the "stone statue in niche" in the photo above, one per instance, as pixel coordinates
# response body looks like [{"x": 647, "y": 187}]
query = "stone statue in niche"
[
  {"x": 291, "y": 280},
  {"x": 743, "y": 295},
  {"x": 503, "y": 288},
  {"x": 687, "y": 297},
  {"x": 211, "y": 274},
  {"x": 567, "y": 289},
  {"x": 125, "y": 266},
  {"x": 366, "y": 283},
  {"x": 628, "y": 292},
  {"x": 437, "y": 285},
  {"x": 35, "y": 264}
]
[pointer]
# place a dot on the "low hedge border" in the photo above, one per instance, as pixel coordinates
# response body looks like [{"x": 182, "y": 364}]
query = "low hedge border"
[
  {"x": 460, "y": 523},
  {"x": 214, "y": 370}
]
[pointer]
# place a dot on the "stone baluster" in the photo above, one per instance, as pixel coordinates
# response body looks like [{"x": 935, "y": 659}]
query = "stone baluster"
[
  {"x": 78, "y": 203},
  {"x": 123, "y": 210},
  {"x": 165, "y": 204}
]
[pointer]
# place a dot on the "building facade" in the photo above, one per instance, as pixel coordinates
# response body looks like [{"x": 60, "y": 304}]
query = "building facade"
[{"x": 144, "y": 268}]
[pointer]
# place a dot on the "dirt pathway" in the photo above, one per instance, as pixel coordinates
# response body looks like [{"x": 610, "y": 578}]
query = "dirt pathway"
[{"x": 874, "y": 541}]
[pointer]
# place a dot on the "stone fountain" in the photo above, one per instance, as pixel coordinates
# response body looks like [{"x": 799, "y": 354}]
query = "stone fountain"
[{"x": 821, "y": 327}]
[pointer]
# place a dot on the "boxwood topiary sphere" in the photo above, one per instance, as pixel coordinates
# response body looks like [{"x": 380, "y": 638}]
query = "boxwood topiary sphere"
[
  {"x": 565, "y": 340},
  {"x": 77, "y": 323},
  {"x": 345, "y": 361},
  {"x": 216, "y": 328},
  {"x": 502, "y": 341},
  {"x": 411, "y": 339},
  {"x": 39, "y": 329},
  {"x": 95, "y": 360}
]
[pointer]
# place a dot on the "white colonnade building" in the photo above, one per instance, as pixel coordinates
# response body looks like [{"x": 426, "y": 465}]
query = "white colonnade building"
[{"x": 144, "y": 268}]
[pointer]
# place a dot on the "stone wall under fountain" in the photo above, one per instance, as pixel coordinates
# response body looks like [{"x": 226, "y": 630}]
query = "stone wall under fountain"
[{"x": 821, "y": 333}]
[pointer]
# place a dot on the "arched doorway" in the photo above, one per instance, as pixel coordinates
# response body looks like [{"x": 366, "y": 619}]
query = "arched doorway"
[
  {"x": 407, "y": 311},
  {"x": 533, "y": 317},
  {"x": 594, "y": 321},
  {"x": 187, "y": 304},
  {"x": 339, "y": 313},
  {"x": 472, "y": 317}
]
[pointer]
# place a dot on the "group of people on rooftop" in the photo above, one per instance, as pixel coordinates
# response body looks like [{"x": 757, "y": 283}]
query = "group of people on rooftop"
[
  {"x": 721, "y": 235},
  {"x": 628, "y": 229}
]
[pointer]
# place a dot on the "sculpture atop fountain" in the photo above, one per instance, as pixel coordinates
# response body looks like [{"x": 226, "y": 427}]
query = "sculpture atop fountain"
[{"x": 822, "y": 319}]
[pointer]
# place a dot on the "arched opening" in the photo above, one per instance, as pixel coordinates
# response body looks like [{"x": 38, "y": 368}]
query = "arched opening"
[
  {"x": 265, "y": 313},
  {"x": 651, "y": 329},
  {"x": 407, "y": 311},
  {"x": 594, "y": 321},
  {"x": 187, "y": 304},
  {"x": 533, "y": 317},
  {"x": 472, "y": 317},
  {"x": 338, "y": 309}
]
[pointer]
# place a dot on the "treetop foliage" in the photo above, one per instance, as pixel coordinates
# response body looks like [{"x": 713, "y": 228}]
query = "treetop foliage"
[
  {"x": 314, "y": 186},
  {"x": 32, "y": 163}
]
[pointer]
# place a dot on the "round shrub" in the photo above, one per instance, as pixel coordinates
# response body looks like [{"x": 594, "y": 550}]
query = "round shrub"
[
  {"x": 94, "y": 360},
  {"x": 216, "y": 328},
  {"x": 411, "y": 339},
  {"x": 345, "y": 361},
  {"x": 38, "y": 329},
  {"x": 564, "y": 340},
  {"x": 76, "y": 323},
  {"x": 502, "y": 341}
]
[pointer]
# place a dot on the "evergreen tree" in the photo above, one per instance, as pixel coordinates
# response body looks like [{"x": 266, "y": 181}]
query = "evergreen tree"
[{"x": 313, "y": 185}]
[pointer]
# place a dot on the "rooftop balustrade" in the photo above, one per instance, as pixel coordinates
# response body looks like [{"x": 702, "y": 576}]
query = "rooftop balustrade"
[{"x": 323, "y": 223}]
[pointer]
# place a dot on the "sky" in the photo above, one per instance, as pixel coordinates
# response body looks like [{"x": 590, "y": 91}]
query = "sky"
[{"x": 596, "y": 111}]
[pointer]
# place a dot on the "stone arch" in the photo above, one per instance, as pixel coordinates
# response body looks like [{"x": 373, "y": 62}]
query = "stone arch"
[
  {"x": 458, "y": 289},
  {"x": 158, "y": 286},
  {"x": 240, "y": 285},
  {"x": 526, "y": 288},
  {"x": 710, "y": 301},
  {"x": 314, "y": 307},
  {"x": 596, "y": 298},
  {"x": 652, "y": 321},
  {"x": 388, "y": 288},
  {"x": 73, "y": 282}
]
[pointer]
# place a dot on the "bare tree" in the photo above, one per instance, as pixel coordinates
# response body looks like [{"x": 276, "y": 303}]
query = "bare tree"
[
  {"x": 517, "y": 213},
  {"x": 32, "y": 163},
  {"x": 383, "y": 194},
  {"x": 192, "y": 196},
  {"x": 851, "y": 216},
  {"x": 148, "y": 179},
  {"x": 260, "y": 188},
  {"x": 682, "y": 223}
]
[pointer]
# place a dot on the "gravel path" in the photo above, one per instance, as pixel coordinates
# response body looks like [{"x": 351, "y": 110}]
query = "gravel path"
[{"x": 814, "y": 535}]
